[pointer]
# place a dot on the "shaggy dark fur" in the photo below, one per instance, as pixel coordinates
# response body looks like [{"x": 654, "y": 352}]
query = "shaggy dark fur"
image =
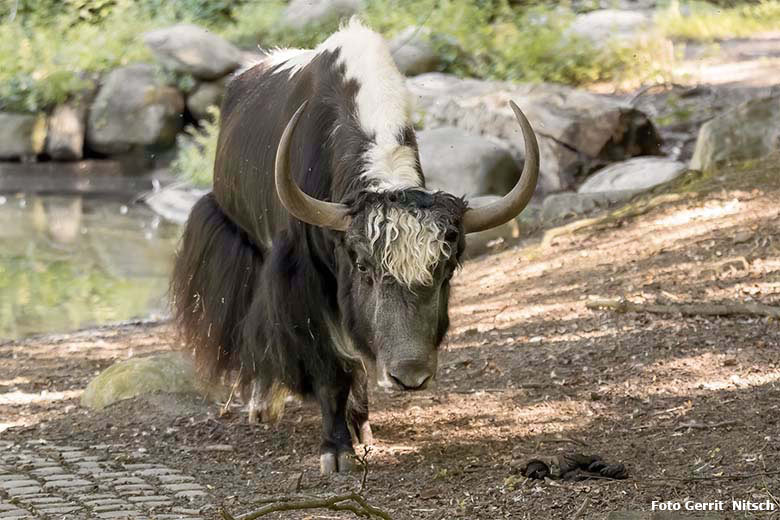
[{"x": 214, "y": 280}]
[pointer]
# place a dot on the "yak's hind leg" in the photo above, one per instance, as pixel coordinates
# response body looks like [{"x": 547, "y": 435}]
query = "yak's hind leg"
[
  {"x": 256, "y": 404},
  {"x": 336, "y": 451},
  {"x": 357, "y": 408}
]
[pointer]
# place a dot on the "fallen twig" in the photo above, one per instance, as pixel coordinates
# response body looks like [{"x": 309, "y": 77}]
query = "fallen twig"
[
  {"x": 363, "y": 461},
  {"x": 522, "y": 386},
  {"x": 573, "y": 227},
  {"x": 737, "y": 476},
  {"x": 691, "y": 309},
  {"x": 702, "y": 426},
  {"x": 352, "y": 502},
  {"x": 666, "y": 85},
  {"x": 580, "y": 509},
  {"x": 596, "y": 223}
]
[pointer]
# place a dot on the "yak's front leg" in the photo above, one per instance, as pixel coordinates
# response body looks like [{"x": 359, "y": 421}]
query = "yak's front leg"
[
  {"x": 336, "y": 452},
  {"x": 357, "y": 408}
]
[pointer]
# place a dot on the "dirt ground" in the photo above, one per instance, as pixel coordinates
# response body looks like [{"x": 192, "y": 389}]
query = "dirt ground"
[{"x": 690, "y": 404}]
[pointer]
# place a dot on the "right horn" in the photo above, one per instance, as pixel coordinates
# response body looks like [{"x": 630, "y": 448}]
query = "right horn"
[{"x": 511, "y": 204}]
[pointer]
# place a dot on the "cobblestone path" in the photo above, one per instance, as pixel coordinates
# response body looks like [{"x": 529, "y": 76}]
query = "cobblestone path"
[{"x": 43, "y": 480}]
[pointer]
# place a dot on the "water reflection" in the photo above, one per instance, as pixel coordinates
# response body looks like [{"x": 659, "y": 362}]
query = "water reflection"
[{"x": 72, "y": 262}]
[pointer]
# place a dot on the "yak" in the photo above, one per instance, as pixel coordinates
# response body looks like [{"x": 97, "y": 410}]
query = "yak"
[{"x": 319, "y": 256}]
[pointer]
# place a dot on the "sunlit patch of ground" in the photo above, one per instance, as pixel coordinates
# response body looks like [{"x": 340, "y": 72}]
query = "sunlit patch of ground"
[{"x": 684, "y": 401}]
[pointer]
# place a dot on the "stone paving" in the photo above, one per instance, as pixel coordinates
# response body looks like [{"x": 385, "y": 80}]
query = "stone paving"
[{"x": 46, "y": 480}]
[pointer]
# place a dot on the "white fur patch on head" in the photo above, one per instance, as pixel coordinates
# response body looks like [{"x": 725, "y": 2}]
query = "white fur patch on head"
[
  {"x": 409, "y": 245},
  {"x": 383, "y": 103}
]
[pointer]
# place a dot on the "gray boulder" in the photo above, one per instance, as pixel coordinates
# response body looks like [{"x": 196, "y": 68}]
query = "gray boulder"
[
  {"x": 462, "y": 163},
  {"x": 302, "y": 13},
  {"x": 67, "y": 128},
  {"x": 193, "y": 50},
  {"x": 413, "y": 51},
  {"x": 577, "y": 130},
  {"x": 610, "y": 186},
  {"x": 204, "y": 96},
  {"x": 559, "y": 206},
  {"x": 748, "y": 131},
  {"x": 170, "y": 372},
  {"x": 133, "y": 107},
  {"x": 21, "y": 135},
  {"x": 637, "y": 174}
]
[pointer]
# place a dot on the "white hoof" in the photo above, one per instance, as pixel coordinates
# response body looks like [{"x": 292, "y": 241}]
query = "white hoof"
[{"x": 328, "y": 464}]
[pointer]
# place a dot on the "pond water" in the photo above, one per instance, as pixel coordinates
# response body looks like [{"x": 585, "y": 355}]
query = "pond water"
[{"x": 73, "y": 262}]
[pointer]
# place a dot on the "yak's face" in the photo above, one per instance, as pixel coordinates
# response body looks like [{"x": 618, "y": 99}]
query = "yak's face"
[{"x": 395, "y": 264}]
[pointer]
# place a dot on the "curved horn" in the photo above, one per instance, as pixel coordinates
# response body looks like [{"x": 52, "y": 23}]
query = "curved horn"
[
  {"x": 302, "y": 206},
  {"x": 511, "y": 204}
]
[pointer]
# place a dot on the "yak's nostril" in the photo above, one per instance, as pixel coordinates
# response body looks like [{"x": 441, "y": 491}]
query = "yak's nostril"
[{"x": 417, "y": 382}]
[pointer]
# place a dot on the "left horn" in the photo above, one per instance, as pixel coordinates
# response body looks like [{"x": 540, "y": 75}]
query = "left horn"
[
  {"x": 511, "y": 204},
  {"x": 313, "y": 211}
]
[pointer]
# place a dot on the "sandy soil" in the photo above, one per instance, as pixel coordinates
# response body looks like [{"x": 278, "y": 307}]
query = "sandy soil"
[{"x": 689, "y": 403}]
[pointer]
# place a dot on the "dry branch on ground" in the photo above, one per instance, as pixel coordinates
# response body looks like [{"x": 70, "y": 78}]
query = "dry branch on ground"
[
  {"x": 691, "y": 309},
  {"x": 353, "y": 502}
]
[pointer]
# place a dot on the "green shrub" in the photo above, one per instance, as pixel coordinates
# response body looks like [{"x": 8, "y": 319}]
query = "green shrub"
[
  {"x": 197, "y": 150},
  {"x": 41, "y": 65},
  {"x": 705, "y": 22},
  {"x": 46, "y": 57}
]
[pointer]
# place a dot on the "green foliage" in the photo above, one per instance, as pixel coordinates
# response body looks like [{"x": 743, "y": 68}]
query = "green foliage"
[
  {"x": 496, "y": 40},
  {"x": 195, "y": 160},
  {"x": 40, "y": 12},
  {"x": 703, "y": 22},
  {"x": 479, "y": 38},
  {"x": 41, "y": 65},
  {"x": 533, "y": 48},
  {"x": 55, "y": 48},
  {"x": 204, "y": 12}
]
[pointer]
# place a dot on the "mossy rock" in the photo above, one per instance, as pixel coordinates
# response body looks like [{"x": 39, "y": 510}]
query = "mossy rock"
[
  {"x": 171, "y": 372},
  {"x": 748, "y": 131}
]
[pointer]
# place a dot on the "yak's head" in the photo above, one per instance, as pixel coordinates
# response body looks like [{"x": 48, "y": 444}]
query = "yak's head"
[
  {"x": 395, "y": 262},
  {"x": 396, "y": 254}
]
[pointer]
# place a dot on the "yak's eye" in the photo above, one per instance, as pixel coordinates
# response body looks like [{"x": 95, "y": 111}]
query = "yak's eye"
[{"x": 362, "y": 267}]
